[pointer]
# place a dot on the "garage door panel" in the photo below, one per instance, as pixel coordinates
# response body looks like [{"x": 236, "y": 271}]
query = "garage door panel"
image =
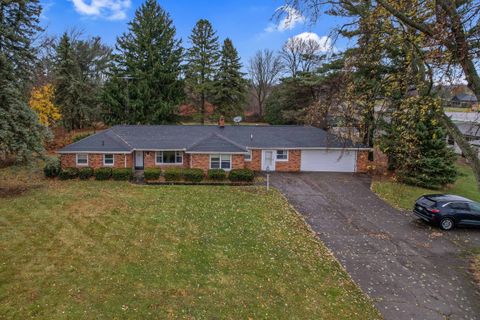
[{"x": 328, "y": 160}]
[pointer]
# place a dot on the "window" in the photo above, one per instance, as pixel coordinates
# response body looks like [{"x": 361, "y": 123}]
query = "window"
[
  {"x": 459, "y": 206},
  {"x": 108, "y": 159},
  {"x": 169, "y": 157},
  {"x": 282, "y": 155},
  {"x": 82, "y": 159},
  {"x": 221, "y": 161},
  {"x": 248, "y": 157},
  {"x": 474, "y": 207}
]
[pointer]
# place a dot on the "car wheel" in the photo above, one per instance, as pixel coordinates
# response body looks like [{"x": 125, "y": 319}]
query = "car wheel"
[{"x": 447, "y": 224}]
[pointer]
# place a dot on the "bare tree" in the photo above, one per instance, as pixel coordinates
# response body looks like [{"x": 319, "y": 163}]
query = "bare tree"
[
  {"x": 300, "y": 55},
  {"x": 264, "y": 69}
]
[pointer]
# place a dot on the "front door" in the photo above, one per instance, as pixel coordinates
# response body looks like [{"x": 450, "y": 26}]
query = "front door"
[
  {"x": 139, "y": 160},
  {"x": 268, "y": 160}
]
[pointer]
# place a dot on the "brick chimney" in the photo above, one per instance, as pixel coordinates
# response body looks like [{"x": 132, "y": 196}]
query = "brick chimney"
[{"x": 221, "y": 122}]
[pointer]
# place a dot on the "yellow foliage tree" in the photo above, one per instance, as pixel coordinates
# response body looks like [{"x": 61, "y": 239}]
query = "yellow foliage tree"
[{"x": 41, "y": 101}]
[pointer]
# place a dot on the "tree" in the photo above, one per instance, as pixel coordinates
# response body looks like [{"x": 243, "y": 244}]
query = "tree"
[
  {"x": 19, "y": 25},
  {"x": 229, "y": 84},
  {"x": 300, "y": 55},
  {"x": 21, "y": 136},
  {"x": 202, "y": 64},
  {"x": 265, "y": 68},
  {"x": 79, "y": 72},
  {"x": 448, "y": 39},
  {"x": 42, "y": 102},
  {"x": 417, "y": 144},
  {"x": 145, "y": 84}
]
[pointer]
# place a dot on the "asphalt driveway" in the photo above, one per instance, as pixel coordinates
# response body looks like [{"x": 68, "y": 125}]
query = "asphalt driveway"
[{"x": 409, "y": 269}]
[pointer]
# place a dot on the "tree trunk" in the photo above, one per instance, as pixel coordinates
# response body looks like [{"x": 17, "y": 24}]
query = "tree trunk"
[
  {"x": 202, "y": 108},
  {"x": 468, "y": 151}
]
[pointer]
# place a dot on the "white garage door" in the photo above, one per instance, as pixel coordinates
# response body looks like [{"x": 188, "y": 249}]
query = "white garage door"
[{"x": 328, "y": 160}]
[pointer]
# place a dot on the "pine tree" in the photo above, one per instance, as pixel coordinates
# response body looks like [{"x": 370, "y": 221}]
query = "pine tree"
[
  {"x": 422, "y": 156},
  {"x": 19, "y": 25},
  {"x": 202, "y": 64},
  {"x": 145, "y": 85},
  {"x": 230, "y": 86},
  {"x": 79, "y": 69},
  {"x": 21, "y": 135},
  {"x": 68, "y": 89}
]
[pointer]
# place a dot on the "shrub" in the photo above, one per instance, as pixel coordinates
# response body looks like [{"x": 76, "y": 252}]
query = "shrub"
[
  {"x": 152, "y": 173},
  {"x": 81, "y": 136},
  {"x": 52, "y": 167},
  {"x": 173, "y": 174},
  {"x": 103, "y": 173},
  {"x": 68, "y": 173},
  {"x": 122, "y": 174},
  {"x": 193, "y": 175},
  {"x": 85, "y": 173},
  {"x": 241, "y": 175},
  {"x": 217, "y": 174}
]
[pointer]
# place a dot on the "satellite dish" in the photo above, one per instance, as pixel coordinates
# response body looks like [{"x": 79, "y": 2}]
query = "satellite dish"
[{"x": 237, "y": 119}]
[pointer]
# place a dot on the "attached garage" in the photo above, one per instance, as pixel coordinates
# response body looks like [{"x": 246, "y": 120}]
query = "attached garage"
[{"x": 328, "y": 160}]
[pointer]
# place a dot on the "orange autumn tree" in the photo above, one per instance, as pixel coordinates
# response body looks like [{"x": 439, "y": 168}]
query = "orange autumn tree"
[{"x": 41, "y": 101}]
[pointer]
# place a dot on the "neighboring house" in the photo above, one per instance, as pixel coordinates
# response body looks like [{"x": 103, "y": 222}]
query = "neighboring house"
[
  {"x": 260, "y": 148},
  {"x": 464, "y": 100},
  {"x": 471, "y": 132},
  {"x": 464, "y": 116}
]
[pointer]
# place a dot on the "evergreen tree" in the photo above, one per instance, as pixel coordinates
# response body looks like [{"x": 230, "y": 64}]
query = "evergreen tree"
[
  {"x": 19, "y": 25},
  {"x": 417, "y": 144},
  {"x": 21, "y": 135},
  {"x": 145, "y": 85},
  {"x": 229, "y": 86},
  {"x": 202, "y": 64},
  {"x": 79, "y": 70}
]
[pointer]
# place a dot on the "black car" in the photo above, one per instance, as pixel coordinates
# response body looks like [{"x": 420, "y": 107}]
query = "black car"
[{"x": 448, "y": 211}]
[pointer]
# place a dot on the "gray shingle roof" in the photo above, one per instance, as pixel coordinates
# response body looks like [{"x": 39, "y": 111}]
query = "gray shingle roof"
[
  {"x": 209, "y": 138},
  {"x": 464, "y": 97},
  {"x": 469, "y": 129}
]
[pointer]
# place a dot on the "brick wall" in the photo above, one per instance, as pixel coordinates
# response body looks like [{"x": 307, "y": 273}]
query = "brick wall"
[
  {"x": 293, "y": 163},
  {"x": 95, "y": 160},
  {"x": 149, "y": 161},
  {"x": 201, "y": 161},
  {"x": 377, "y": 166},
  {"x": 362, "y": 161},
  {"x": 256, "y": 163}
]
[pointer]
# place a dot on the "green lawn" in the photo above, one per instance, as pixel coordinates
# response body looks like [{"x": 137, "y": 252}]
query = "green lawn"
[
  {"x": 403, "y": 196},
  {"x": 90, "y": 249}
]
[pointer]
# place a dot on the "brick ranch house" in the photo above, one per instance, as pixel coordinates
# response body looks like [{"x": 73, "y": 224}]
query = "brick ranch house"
[{"x": 258, "y": 147}]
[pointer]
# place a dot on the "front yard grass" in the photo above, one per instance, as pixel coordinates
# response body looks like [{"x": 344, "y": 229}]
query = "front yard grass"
[
  {"x": 104, "y": 249},
  {"x": 403, "y": 196}
]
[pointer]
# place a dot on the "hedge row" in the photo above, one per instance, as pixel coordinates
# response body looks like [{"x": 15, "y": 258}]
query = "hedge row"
[
  {"x": 197, "y": 175},
  {"x": 87, "y": 173}
]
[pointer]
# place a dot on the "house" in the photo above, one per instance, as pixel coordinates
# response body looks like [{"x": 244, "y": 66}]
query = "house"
[
  {"x": 471, "y": 131},
  {"x": 464, "y": 100},
  {"x": 258, "y": 147}
]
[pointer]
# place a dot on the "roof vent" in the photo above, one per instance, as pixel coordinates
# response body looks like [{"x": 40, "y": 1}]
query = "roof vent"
[
  {"x": 103, "y": 142},
  {"x": 251, "y": 136}
]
